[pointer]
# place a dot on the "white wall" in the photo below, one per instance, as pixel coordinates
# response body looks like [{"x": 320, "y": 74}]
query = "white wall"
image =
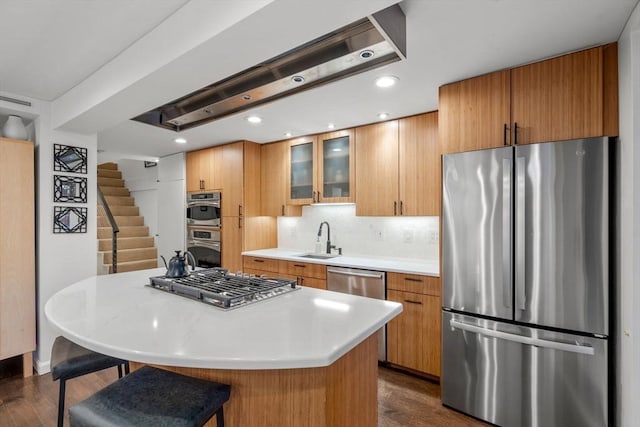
[
  {"x": 627, "y": 300},
  {"x": 61, "y": 259},
  {"x": 395, "y": 237},
  {"x": 172, "y": 204},
  {"x": 143, "y": 184}
]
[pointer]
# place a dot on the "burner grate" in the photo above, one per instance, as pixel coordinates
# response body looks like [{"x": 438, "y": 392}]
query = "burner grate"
[{"x": 217, "y": 287}]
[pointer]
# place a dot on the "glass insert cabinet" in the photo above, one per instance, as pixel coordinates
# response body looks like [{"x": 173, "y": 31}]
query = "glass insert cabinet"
[{"x": 321, "y": 168}]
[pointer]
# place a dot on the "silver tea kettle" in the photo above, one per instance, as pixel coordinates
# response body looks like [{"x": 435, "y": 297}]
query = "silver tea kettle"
[{"x": 179, "y": 265}]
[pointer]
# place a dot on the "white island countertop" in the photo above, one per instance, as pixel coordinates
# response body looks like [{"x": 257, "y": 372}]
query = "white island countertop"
[
  {"x": 118, "y": 315},
  {"x": 397, "y": 265}
]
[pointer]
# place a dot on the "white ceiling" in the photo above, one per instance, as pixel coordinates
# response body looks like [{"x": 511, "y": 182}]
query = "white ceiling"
[{"x": 146, "y": 55}]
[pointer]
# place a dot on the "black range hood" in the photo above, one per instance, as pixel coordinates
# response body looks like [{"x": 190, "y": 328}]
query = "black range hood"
[{"x": 363, "y": 45}]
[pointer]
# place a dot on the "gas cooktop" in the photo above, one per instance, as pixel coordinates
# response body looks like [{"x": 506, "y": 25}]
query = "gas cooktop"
[{"x": 218, "y": 287}]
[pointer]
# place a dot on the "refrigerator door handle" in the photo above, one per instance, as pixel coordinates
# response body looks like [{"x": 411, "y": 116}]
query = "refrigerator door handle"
[
  {"x": 521, "y": 296},
  {"x": 506, "y": 232},
  {"x": 537, "y": 342}
]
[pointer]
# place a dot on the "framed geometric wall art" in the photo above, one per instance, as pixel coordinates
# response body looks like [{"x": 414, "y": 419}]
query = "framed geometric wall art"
[
  {"x": 69, "y": 159},
  {"x": 69, "y": 219},
  {"x": 69, "y": 189}
]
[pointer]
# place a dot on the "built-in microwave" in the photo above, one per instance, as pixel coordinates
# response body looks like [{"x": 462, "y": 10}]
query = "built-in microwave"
[{"x": 204, "y": 209}]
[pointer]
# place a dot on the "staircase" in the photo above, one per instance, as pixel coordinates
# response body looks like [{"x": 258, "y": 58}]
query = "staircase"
[{"x": 136, "y": 250}]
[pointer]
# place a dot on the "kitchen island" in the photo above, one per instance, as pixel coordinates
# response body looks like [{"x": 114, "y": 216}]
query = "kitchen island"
[{"x": 307, "y": 357}]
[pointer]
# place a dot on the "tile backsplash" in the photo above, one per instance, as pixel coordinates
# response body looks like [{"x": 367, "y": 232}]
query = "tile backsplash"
[{"x": 394, "y": 237}]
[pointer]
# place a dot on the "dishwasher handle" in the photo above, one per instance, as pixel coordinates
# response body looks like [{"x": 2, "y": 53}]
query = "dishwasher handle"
[{"x": 356, "y": 274}]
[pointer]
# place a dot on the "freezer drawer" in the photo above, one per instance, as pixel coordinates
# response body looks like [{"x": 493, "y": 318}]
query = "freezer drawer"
[{"x": 512, "y": 375}]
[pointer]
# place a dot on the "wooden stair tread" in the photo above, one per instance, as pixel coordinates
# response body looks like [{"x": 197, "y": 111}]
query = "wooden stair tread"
[
  {"x": 115, "y": 191},
  {"x": 108, "y": 165},
  {"x": 109, "y": 173},
  {"x": 126, "y": 243},
  {"x": 121, "y": 210},
  {"x": 110, "y": 182},
  {"x": 125, "y": 231}
]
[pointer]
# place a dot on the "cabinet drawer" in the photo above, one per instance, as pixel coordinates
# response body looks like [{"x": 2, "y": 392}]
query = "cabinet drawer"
[
  {"x": 426, "y": 285},
  {"x": 303, "y": 269},
  {"x": 310, "y": 282},
  {"x": 257, "y": 263}
]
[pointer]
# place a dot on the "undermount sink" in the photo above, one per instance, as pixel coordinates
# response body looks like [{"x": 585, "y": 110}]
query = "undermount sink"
[{"x": 318, "y": 256}]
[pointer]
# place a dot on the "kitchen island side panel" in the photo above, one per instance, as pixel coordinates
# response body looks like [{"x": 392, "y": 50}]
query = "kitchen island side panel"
[{"x": 341, "y": 394}]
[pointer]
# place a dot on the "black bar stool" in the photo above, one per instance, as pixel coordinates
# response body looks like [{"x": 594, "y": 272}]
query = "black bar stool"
[
  {"x": 69, "y": 360},
  {"x": 151, "y": 397}
]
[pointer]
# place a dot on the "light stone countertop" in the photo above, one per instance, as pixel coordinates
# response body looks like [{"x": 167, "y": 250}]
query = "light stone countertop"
[
  {"x": 118, "y": 315},
  {"x": 398, "y": 265}
]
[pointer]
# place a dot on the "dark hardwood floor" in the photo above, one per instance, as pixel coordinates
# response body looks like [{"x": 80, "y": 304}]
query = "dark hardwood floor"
[{"x": 403, "y": 400}]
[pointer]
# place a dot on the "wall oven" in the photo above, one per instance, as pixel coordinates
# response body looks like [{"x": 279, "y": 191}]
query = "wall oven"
[
  {"x": 204, "y": 209},
  {"x": 204, "y": 245}
]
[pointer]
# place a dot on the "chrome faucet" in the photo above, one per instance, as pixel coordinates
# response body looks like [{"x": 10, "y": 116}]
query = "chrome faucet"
[{"x": 329, "y": 247}]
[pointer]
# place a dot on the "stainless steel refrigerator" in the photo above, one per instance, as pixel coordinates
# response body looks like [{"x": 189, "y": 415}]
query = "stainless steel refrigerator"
[{"x": 526, "y": 276}]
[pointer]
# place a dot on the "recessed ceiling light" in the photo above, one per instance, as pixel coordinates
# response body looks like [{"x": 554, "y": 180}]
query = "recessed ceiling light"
[
  {"x": 297, "y": 79},
  {"x": 288, "y": 134},
  {"x": 386, "y": 81},
  {"x": 247, "y": 97},
  {"x": 180, "y": 141},
  {"x": 383, "y": 116},
  {"x": 366, "y": 54},
  {"x": 331, "y": 126},
  {"x": 254, "y": 119}
]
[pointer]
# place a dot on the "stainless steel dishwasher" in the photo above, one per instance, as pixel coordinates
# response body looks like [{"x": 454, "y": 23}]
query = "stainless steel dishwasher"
[{"x": 366, "y": 283}]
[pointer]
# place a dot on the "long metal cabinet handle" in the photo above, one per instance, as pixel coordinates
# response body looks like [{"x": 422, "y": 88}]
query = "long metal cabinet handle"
[
  {"x": 573, "y": 348},
  {"x": 515, "y": 133},
  {"x": 395, "y": 208},
  {"x": 368, "y": 275},
  {"x": 521, "y": 296},
  {"x": 506, "y": 233},
  {"x": 504, "y": 134},
  {"x": 401, "y": 209}
]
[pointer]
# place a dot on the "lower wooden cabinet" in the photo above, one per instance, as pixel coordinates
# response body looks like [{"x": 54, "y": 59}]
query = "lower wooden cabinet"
[
  {"x": 305, "y": 273},
  {"x": 414, "y": 337}
]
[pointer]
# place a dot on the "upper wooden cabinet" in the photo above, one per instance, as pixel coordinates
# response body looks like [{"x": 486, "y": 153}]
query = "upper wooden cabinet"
[
  {"x": 233, "y": 166},
  {"x": 419, "y": 165},
  {"x": 273, "y": 181},
  {"x": 377, "y": 163},
  {"x": 475, "y": 113},
  {"x": 567, "y": 97},
  {"x": 322, "y": 168},
  {"x": 398, "y": 165},
  {"x": 204, "y": 171}
]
